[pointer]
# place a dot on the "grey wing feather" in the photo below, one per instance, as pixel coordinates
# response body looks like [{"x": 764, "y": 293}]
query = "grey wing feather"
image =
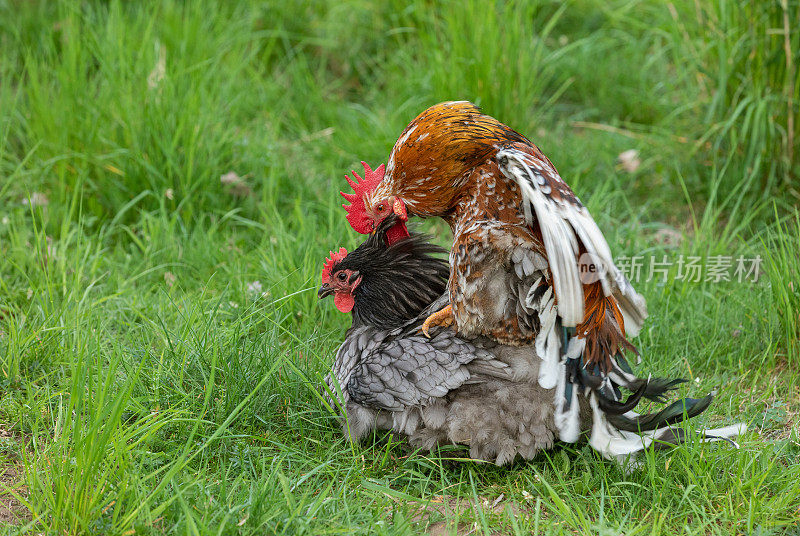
[{"x": 425, "y": 369}]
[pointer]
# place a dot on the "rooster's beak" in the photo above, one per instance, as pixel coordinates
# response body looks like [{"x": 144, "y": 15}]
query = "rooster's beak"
[{"x": 324, "y": 291}]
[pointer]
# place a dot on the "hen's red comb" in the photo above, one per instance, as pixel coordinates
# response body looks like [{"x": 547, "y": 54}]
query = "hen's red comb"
[
  {"x": 330, "y": 262},
  {"x": 356, "y": 210}
]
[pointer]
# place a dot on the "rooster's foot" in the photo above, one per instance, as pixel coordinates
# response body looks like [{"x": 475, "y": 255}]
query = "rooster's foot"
[{"x": 442, "y": 317}]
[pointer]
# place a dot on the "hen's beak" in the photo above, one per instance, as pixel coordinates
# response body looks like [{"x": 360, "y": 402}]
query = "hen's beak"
[{"x": 324, "y": 291}]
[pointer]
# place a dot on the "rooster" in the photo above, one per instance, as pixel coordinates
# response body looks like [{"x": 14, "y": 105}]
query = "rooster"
[
  {"x": 446, "y": 389},
  {"x": 528, "y": 267}
]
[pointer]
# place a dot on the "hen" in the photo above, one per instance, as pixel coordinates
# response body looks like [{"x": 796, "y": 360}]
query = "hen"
[
  {"x": 446, "y": 389},
  {"x": 528, "y": 265}
]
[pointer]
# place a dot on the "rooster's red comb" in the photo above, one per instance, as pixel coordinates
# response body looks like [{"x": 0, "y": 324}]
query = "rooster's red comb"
[
  {"x": 331, "y": 262},
  {"x": 356, "y": 210}
]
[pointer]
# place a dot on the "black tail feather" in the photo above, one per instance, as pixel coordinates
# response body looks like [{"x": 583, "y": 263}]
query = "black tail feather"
[
  {"x": 657, "y": 388},
  {"x": 606, "y": 387},
  {"x": 612, "y": 407},
  {"x": 685, "y": 408},
  {"x": 613, "y": 418}
]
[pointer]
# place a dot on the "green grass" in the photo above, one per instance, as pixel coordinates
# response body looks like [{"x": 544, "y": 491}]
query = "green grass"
[{"x": 161, "y": 343}]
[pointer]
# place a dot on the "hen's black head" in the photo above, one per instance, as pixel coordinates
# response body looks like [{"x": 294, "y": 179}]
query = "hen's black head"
[{"x": 387, "y": 285}]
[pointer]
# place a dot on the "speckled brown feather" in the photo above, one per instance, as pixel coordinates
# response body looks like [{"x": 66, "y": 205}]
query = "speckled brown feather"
[{"x": 443, "y": 164}]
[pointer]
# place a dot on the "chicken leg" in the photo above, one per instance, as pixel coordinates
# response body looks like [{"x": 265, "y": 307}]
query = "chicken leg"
[{"x": 442, "y": 317}]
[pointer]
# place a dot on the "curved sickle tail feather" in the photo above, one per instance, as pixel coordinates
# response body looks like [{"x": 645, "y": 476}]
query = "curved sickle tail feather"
[
  {"x": 682, "y": 409},
  {"x": 618, "y": 432},
  {"x": 615, "y": 443}
]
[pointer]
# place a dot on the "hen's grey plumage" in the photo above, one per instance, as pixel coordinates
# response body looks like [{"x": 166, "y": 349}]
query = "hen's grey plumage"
[{"x": 443, "y": 390}]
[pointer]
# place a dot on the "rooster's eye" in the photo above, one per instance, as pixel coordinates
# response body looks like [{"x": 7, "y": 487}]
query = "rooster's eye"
[
  {"x": 341, "y": 276},
  {"x": 381, "y": 207}
]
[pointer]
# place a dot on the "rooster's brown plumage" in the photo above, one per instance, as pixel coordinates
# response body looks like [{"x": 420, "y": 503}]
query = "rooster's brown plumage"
[{"x": 528, "y": 265}]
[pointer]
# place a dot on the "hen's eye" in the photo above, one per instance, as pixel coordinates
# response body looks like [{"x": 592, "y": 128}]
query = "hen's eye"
[
  {"x": 341, "y": 276},
  {"x": 381, "y": 207}
]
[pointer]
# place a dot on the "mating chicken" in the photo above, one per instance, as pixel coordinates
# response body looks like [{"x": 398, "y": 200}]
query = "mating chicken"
[
  {"x": 528, "y": 267},
  {"x": 446, "y": 389}
]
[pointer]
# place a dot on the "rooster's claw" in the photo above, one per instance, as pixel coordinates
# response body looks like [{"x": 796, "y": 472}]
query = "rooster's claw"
[{"x": 443, "y": 317}]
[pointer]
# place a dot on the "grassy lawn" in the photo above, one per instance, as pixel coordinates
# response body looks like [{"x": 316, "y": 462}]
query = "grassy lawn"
[{"x": 169, "y": 178}]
